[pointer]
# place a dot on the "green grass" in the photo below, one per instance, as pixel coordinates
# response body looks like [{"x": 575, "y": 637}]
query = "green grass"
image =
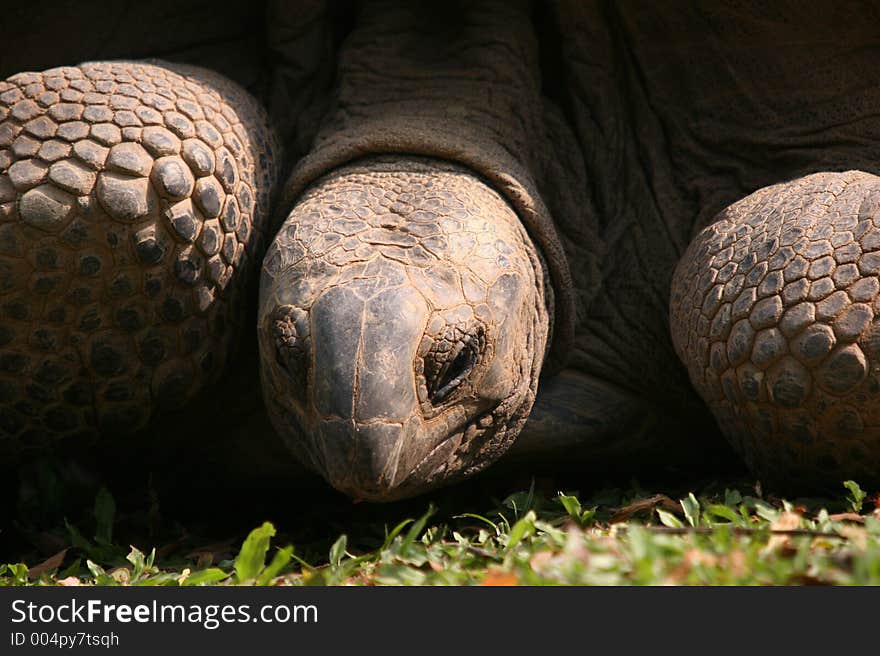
[{"x": 715, "y": 535}]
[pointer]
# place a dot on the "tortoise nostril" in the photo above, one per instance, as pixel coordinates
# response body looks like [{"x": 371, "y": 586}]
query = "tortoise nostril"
[{"x": 289, "y": 343}]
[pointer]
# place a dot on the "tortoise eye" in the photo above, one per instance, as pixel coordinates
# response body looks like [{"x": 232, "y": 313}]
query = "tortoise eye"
[
  {"x": 450, "y": 363},
  {"x": 452, "y": 376}
]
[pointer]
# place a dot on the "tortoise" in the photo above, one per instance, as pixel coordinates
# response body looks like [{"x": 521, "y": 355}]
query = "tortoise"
[{"x": 570, "y": 231}]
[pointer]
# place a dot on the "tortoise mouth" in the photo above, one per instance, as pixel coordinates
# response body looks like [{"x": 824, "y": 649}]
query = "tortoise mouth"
[{"x": 381, "y": 462}]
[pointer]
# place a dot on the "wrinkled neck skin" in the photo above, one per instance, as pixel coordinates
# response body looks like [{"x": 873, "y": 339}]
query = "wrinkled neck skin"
[
  {"x": 681, "y": 113},
  {"x": 403, "y": 324}
]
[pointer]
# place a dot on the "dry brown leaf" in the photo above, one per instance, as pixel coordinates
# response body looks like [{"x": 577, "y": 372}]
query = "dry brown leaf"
[
  {"x": 53, "y": 562},
  {"x": 497, "y": 577},
  {"x": 678, "y": 575},
  {"x": 787, "y": 521},
  {"x": 641, "y": 505},
  {"x": 692, "y": 558},
  {"x": 121, "y": 575},
  {"x": 540, "y": 560},
  {"x": 575, "y": 544},
  {"x": 736, "y": 563},
  {"x": 70, "y": 581},
  {"x": 847, "y": 517},
  {"x": 855, "y": 534},
  {"x": 696, "y": 557}
]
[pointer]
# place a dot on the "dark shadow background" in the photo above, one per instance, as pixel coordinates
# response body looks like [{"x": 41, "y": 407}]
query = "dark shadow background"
[{"x": 227, "y": 35}]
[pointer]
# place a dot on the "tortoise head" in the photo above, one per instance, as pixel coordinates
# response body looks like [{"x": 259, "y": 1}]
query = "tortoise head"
[{"x": 403, "y": 322}]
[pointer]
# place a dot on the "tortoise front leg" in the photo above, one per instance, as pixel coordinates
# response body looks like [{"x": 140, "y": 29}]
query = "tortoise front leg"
[
  {"x": 132, "y": 199},
  {"x": 773, "y": 312}
]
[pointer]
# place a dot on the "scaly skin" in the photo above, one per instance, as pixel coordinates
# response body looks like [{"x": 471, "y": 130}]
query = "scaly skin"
[
  {"x": 133, "y": 199},
  {"x": 403, "y": 323},
  {"x": 772, "y": 312}
]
